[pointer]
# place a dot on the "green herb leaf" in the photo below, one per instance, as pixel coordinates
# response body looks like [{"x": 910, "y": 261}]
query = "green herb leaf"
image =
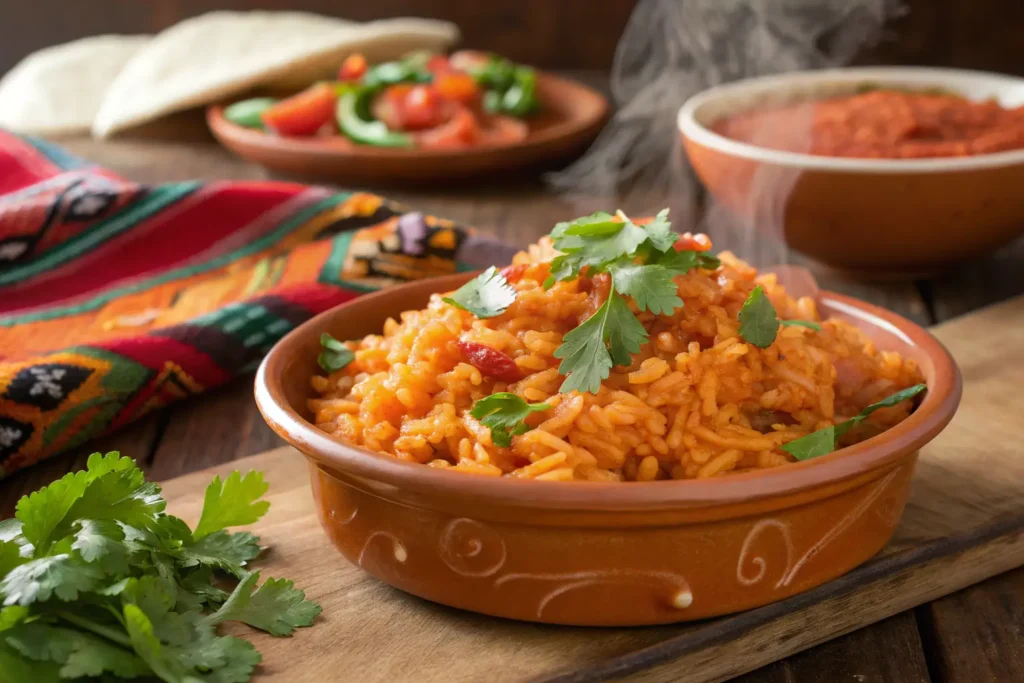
[
  {"x": 276, "y": 607},
  {"x": 684, "y": 261},
  {"x": 504, "y": 413},
  {"x": 80, "y": 653},
  {"x": 823, "y": 441},
  {"x": 659, "y": 232},
  {"x": 596, "y": 240},
  {"x": 652, "y": 287},
  {"x": 485, "y": 296},
  {"x": 102, "y": 541},
  {"x": 810, "y": 324},
  {"x": 335, "y": 355},
  {"x": 37, "y": 580},
  {"x": 222, "y": 550},
  {"x": 586, "y": 359},
  {"x": 233, "y": 502},
  {"x": 759, "y": 323}
]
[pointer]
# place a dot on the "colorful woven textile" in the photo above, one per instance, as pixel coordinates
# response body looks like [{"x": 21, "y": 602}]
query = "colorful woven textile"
[{"x": 118, "y": 298}]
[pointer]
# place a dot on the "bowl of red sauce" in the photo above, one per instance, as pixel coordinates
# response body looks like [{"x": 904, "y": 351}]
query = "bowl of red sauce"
[{"x": 881, "y": 171}]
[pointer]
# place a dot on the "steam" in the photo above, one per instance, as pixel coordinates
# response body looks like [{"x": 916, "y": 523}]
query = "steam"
[{"x": 672, "y": 49}]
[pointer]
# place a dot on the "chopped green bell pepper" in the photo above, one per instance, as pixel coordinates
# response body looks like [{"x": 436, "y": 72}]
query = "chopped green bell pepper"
[
  {"x": 390, "y": 73},
  {"x": 247, "y": 112},
  {"x": 353, "y": 125}
]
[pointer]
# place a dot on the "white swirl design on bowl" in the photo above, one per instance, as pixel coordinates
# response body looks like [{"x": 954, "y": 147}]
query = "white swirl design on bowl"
[
  {"x": 465, "y": 547},
  {"x": 681, "y": 598},
  {"x": 397, "y": 547},
  {"x": 792, "y": 568}
]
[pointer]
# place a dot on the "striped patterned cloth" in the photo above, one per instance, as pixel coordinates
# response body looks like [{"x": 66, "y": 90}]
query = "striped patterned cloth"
[{"x": 118, "y": 298}]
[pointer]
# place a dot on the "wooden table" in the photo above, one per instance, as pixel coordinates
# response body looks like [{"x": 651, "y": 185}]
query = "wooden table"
[{"x": 968, "y": 637}]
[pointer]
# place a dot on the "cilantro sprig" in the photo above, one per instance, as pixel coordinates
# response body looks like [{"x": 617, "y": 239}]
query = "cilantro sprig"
[
  {"x": 485, "y": 296},
  {"x": 334, "y": 355},
  {"x": 504, "y": 413},
  {"x": 823, "y": 441},
  {"x": 98, "y": 581},
  {"x": 759, "y": 322},
  {"x": 642, "y": 263}
]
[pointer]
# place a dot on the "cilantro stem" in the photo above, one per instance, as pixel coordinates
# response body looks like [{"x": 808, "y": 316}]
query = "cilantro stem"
[{"x": 99, "y": 629}]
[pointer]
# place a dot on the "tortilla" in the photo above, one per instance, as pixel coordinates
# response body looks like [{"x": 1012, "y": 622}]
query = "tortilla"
[
  {"x": 223, "y": 54},
  {"x": 58, "y": 90}
]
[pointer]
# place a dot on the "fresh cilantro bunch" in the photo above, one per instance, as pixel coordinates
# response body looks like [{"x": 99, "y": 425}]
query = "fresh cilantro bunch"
[
  {"x": 642, "y": 263},
  {"x": 97, "y": 581}
]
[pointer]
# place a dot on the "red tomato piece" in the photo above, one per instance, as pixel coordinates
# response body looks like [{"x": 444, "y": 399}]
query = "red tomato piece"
[
  {"x": 690, "y": 242},
  {"x": 456, "y": 86},
  {"x": 459, "y": 131},
  {"x": 302, "y": 114},
  {"x": 438, "y": 64},
  {"x": 512, "y": 274},
  {"x": 490, "y": 362},
  {"x": 421, "y": 108},
  {"x": 353, "y": 68}
]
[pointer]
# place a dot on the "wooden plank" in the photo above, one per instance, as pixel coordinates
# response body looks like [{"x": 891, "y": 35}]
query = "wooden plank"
[
  {"x": 219, "y": 426},
  {"x": 963, "y": 523},
  {"x": 974, "y": 635}
]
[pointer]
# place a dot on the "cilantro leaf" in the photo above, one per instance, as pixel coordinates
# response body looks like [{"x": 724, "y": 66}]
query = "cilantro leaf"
[
  {"x": 10, "y": 556},
  {"x": 223, "y": 550},
  {"x": 102, "y": 541},
  {"x": 335, "y": 355},
  {"x": 17, "y": 667},
  {"x": 659, "y": 232},
  {"x": 233, "y": 502},
  {"x": 40, "y": 512},
  {"x": 39, "y": 579},
  {"x": 148, "y": 647},
  {"x": 239, "y": 658},
  {"x": 686, "y": 260},
  {"x": 485, "y": 296},
  {"x": 586, "y": 360},
  {"x": 276, "y": 607},
  {"x": 759, "y": 323},
  {"x": 598, "y": 224},
  {"x": 80, "y": 653},
  {"x": 652, "y": 287},
  {"x": 595, "y": 241},
  {"x": 504, "y": 413},
  {"x": 823, "y": 441}
]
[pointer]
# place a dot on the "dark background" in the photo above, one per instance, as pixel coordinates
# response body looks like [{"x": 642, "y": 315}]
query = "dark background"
[{"x": 566, "y": 34}]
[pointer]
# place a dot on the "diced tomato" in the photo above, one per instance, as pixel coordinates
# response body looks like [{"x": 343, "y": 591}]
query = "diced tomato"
[
  {"x": 503, "y": 130},
  {"x": 600, "y": 286},
  {"x": 460, "y": 130},
  {"x": 512, "y": 274},
  {"x": 421, "y": 108},
  {"x": 438, "y": 64},
  {"x": 302, "y": 114},
  {"x": 690, "y": 242},
  {"x": 456, "y": 86},
  {"x": 353, "y": 68},
  {"x": 490, "y": 362}
]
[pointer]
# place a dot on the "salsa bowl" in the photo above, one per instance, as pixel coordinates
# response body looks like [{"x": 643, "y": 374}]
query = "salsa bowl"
[
  {"x": 871, "y": 216},
  {"x": 603, "y": 554}
]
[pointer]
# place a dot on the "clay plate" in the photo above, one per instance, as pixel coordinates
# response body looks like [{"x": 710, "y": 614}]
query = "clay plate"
[
  {"x": 881, "y": 218},
  {"x": 571, "y": 116},
  {"x": 603, "y": 554}
]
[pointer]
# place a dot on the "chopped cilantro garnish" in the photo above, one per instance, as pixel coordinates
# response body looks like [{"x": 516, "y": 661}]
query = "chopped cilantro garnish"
[
  {"x": 335, "y": 355},
  {"x": 504, "y": 413},
  {"x": 485, "y": 296},
  {"x": 642, "y": 262},
  {"x": 823, "y": 441},
  {"x": 759, "y": 323},
  {"x": 98, "y": 582}
]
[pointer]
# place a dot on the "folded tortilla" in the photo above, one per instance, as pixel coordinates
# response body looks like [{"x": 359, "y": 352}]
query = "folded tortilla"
[
  {"x": 58, "y": 90},
  {"x": 223, "y": 54}
]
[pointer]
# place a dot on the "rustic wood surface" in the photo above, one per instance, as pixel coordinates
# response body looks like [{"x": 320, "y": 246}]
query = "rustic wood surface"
[
  {"x": 964, "y": 522},
  {"x": 969, "y": 636}
]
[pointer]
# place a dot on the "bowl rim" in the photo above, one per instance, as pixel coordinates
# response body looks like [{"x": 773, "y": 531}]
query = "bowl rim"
[
  {"x": 696, "y": 132},
  {"x": 878, "y": 453}
]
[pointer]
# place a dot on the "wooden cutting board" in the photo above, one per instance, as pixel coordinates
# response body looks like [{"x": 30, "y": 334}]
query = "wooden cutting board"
[{"x": 964, "y": 523}]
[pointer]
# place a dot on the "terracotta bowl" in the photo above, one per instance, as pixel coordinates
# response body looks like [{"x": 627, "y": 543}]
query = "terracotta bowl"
[
  {"x": 874, "y": 216},
  {"x": 603, "y": 554},
  {"x": 571, "y": 116}
]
